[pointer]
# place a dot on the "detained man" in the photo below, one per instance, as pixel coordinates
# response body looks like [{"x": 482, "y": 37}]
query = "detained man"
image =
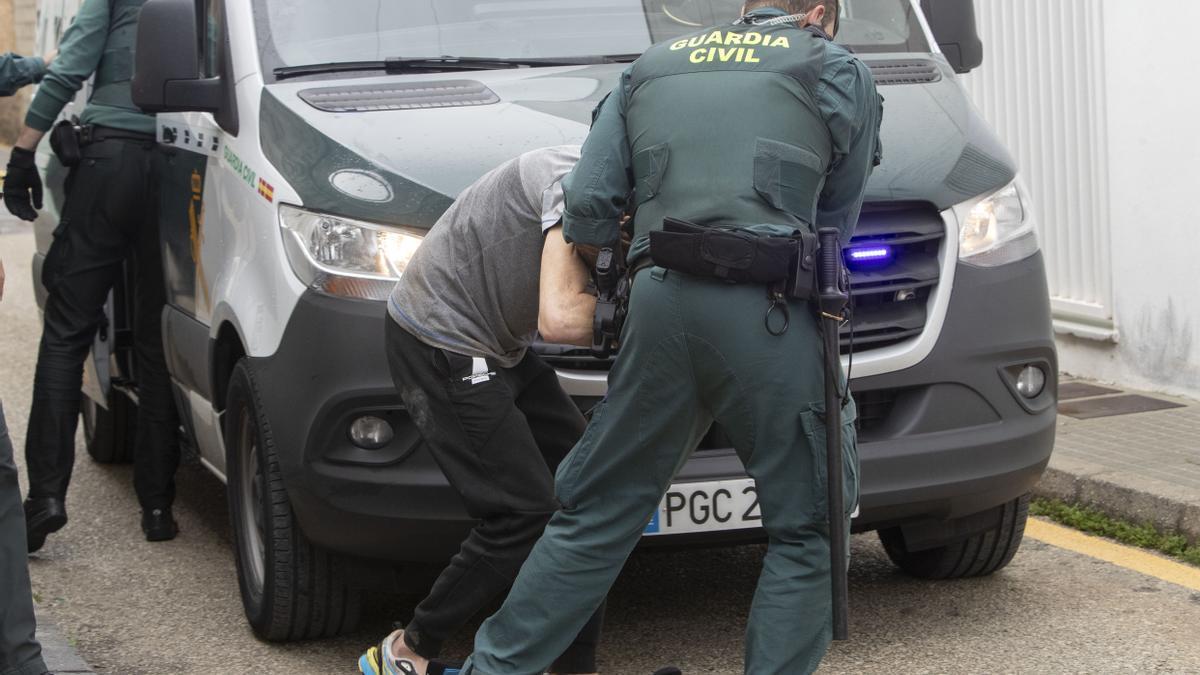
[{"x": 493, "y": 272}]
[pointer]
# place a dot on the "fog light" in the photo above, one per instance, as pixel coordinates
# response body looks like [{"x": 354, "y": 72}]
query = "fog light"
[
  {"x": 370, "y": 432},
  {"x": 1031, "y": 382}
]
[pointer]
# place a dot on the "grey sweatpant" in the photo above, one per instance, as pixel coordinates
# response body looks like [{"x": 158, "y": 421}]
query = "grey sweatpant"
[{"x": 20, "y": 653}]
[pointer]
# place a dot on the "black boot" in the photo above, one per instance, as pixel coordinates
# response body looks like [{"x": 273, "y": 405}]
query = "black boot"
[
  {"x": 159, "y": 525},
  {"x": 43, "y": 515}
]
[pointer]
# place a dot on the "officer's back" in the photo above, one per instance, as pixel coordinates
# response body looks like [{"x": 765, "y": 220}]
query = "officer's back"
[{"x": 758, "y": 122}]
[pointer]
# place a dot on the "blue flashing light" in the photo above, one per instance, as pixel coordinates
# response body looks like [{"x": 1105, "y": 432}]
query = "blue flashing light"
[{"x": 870, "y": 254}]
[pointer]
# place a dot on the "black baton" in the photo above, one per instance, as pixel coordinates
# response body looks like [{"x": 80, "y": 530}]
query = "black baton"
[{"x": 833, "y": 300}]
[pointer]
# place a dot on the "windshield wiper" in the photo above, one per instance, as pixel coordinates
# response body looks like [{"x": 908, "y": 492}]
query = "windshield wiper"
[{"x": 426, "y": 64}]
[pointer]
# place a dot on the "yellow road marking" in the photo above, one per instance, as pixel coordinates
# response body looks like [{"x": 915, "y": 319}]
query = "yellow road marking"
[{"x": 1122, "y": 556}]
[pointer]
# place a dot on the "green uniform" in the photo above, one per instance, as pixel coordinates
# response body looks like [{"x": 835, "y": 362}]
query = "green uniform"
[
  {"x": 755, "y": 126},
  {"x": 101, "y": 41},
  {"x": 18, "y": 71}
]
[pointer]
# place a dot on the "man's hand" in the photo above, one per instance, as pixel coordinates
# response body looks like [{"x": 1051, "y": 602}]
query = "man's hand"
[
  {"x": 565, "y": 308},
  {"x": 22, "y": 185}
]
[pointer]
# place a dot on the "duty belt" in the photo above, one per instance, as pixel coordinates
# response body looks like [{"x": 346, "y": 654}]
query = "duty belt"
[{"x": 787, "y": 265}]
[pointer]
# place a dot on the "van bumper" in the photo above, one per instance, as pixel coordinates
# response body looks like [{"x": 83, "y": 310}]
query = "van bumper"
[{"x": 947, "y": 438}]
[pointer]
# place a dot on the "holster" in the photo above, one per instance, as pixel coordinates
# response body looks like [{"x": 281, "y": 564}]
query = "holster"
[
  {"x": 66, "y": 143},
  {"x": 738, "y": 256}
]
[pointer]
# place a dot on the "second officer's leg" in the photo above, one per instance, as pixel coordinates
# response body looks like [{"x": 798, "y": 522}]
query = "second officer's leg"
[
  {"x": 156, "y": 446},
  {"x": 90, "y": 243}
]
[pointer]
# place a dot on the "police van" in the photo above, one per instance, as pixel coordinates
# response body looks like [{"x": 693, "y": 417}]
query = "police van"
[{"x": 306, "y": 148}]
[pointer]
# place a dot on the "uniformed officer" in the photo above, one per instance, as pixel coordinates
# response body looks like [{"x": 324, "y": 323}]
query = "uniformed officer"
[
  {"x": 20, "y": 653},
  {"x": 767, "y": 125},
  {"x": 107, "y": 218}
]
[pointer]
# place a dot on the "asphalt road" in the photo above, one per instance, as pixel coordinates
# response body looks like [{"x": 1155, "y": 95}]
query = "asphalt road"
[{"x": 136, "y": 607}]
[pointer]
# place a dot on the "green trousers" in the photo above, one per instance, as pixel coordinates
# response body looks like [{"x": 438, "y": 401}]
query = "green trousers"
[{"x": 694, "y": 352}]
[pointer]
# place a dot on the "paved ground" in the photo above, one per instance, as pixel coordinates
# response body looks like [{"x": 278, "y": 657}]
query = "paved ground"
[
  {"x": 134, "y": 607},
  {"x": 1143, "y": 467}
]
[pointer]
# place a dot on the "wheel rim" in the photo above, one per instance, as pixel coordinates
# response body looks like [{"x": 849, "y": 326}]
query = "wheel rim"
[{"x": 251, "y": 490}]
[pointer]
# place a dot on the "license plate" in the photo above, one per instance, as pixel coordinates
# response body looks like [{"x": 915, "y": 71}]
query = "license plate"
[{"x": 707, "y": 507}]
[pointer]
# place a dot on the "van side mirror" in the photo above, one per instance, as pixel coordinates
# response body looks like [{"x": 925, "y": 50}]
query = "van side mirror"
[
  {"x": 954, "y": 28},
  {"x": 168, "y": 72}
]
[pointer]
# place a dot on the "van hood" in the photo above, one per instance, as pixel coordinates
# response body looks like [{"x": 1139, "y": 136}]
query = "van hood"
[{"x": 397, "y": 149}]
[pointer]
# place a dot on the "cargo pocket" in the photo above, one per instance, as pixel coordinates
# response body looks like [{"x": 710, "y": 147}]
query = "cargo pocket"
[
  {"x": 649, "y": 167},
  {"x": 813, "y": 421},
  {"x": 566, "y": 478},
  {"x": 59, "y": 250},
  {"x": 788, "y": 177}
]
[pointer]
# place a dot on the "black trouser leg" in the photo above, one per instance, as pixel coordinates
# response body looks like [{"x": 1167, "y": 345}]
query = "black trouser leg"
[
  {"x": 90, "y": 243},
  {"x": 482, "y": 434},
  {"x": 156, "y": 449},
  {"x": 106, "y": 218},
  {"x": 20, "y": 653}
]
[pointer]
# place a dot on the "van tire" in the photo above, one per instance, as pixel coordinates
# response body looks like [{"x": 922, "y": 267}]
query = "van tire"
[
  {"x": 291, "y": 589},
  {"x": 108, "y": 433},
  {"x": 976, "y": 556}
]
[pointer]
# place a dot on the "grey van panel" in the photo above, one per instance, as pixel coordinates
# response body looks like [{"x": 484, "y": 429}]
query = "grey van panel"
[{"x": 936, "y": 148}]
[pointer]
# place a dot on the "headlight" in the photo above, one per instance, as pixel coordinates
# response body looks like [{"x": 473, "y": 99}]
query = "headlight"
[
  {"x": 996, "y": 230},
  {"x": 346, "y": 257}
]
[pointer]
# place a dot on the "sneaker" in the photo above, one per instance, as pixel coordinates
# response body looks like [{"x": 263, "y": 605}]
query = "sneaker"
[{"x": 377, "y": 661}]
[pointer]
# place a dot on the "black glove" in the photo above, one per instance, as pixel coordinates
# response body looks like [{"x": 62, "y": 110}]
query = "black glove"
[{"x": 22, "y": 183}]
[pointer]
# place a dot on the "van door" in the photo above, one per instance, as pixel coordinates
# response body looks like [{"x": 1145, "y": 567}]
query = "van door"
[{"x": 192, "y": 146}]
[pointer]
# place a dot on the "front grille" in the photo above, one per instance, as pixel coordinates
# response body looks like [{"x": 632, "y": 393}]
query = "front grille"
[{"x": 891, "y": 300}]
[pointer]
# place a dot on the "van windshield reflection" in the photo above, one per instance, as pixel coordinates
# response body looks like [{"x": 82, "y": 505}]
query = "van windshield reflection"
[{"x": 305, "y": 32}]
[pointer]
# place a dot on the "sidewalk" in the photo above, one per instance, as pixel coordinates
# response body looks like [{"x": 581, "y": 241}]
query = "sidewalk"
[
  {"x": 58, "y": 653},
  {"x": 1131, "y": 463}
]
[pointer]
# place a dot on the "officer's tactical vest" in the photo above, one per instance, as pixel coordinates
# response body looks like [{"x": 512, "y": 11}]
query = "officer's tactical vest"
[
  {"x": 725, "y": 130},
  {"x": 115, "y": 71}
]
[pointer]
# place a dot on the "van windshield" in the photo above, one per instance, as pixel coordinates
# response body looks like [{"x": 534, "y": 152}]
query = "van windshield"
[{"x": 303, "y": 32}]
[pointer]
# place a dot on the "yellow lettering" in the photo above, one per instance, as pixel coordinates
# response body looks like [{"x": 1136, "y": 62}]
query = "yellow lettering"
[
  {"x": 726, "y": 54},
  {"x": 696, "y": 41},
  {"x": 782, "y": 41},
  {"x": 697, "y": 56},
  {"x": 678, "y": 45},
  {"x": 715, "y": 37},
  {"x": 733, "y": 39},
  {"x": 750, "y": 58},
  {"x": 752, "y": 39},
  {"x": 712, "y": 51}
]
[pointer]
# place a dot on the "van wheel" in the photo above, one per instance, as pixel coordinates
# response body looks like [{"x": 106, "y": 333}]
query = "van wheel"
[
  {"x": 291, "y": 589},
  {"x": 109, "y": 432},
  {"x": 976, "y": 556}
]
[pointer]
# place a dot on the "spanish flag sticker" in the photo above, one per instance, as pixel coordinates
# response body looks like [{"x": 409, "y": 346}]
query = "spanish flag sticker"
[{"x": 266, "y": 190}]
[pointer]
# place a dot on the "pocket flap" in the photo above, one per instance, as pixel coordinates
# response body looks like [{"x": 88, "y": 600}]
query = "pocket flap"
[
  {"x": 649, "y": 167},
  {"x": 788, "y": 177}
]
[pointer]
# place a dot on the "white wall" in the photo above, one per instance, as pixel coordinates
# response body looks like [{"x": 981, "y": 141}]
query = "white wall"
[{"x": 1138, "y": 63}]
